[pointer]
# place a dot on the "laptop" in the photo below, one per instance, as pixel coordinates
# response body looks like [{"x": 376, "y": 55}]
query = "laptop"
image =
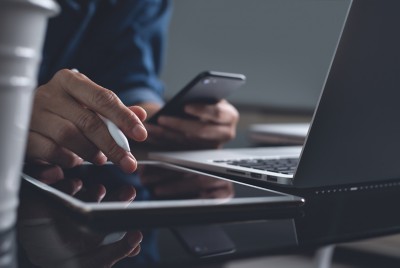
[
  {"x": 278, "y": 133},
  {"x": 354, "y": 135}
]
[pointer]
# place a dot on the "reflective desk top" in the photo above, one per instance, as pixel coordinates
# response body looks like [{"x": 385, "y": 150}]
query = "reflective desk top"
[{"x": 55, "y": 239}]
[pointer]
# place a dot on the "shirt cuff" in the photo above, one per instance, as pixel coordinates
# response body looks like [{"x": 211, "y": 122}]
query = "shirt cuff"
[{"x": 140, "y": 95}]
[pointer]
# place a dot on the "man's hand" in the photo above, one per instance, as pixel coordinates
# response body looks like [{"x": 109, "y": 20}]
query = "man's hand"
[
  {"x": 66, "y": 129},
  {"x": 215, "y": 125}
]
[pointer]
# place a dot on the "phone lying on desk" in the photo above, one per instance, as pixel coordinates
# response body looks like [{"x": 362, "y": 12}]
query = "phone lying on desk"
[{"x": 208, "y": 87}]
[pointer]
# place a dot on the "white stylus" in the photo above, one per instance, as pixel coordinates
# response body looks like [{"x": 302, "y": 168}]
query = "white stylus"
[{"x": 115, "y": 132}]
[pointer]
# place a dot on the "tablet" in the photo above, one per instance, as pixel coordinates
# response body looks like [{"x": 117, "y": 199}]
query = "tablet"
[{"x": 160, "y": 195}]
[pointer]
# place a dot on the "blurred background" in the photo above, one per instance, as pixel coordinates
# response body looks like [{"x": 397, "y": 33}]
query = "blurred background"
[{"x": 284, "y": 47}]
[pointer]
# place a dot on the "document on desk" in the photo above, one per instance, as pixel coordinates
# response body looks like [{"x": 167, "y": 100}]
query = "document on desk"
[
  {"x": 278, "y": 133},
  {"x": 162, "y": 194}
]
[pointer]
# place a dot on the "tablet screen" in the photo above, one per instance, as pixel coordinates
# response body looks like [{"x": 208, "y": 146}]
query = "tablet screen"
[{"x": 156, "y": 191}]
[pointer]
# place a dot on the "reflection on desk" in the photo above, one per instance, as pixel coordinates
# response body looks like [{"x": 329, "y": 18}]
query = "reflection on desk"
[
  {"x": 157, "y": 194},
  {"x": 51, "y": 238},
  {"x": 48, "y": 237}
]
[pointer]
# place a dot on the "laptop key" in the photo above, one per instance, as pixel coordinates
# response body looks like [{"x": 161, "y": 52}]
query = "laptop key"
[{"x": 284, "y": 165}]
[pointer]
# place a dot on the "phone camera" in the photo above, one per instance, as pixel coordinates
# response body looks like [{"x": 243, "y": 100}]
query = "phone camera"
[
  {"x": 206, "y": 81},
  {"x": 209, "y": 81}
]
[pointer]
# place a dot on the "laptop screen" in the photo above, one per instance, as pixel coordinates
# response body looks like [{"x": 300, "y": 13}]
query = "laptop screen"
[{"x": 355, "y": 132}]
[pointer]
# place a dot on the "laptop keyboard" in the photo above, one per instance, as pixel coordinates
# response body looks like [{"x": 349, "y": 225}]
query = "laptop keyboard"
[{"x": 283, "y": 165}]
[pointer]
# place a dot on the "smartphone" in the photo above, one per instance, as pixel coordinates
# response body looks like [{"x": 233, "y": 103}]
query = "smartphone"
[
  {"x": 208, "y": 87},
  {"x": 204, "y": 240}
]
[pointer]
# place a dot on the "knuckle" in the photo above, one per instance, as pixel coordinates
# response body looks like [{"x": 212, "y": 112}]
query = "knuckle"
[
  {"x": 105, "y": 97},
  {"x": 48, "y": 151},
  {"x": 51, "y": 151},
  {"x": 89, "y": 122},
  {"x": 40, "y": 90},
  {"x": 68, "y": 162},
  {"x": 54, "y": 154},
  {"x": 64, "y": 132},
  {"x": 43, "y": 95},
  {"x": 218, "y": 113},
  {"x": 115, "y": 152},
  {"x": 63, "y": 75}
]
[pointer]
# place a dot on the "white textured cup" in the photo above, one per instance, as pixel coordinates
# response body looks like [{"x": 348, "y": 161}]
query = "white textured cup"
[{"x": 22, "y": 29}]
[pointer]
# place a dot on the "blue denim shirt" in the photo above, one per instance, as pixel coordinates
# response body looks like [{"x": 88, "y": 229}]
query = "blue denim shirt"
[{"x": 119, "y": 44}]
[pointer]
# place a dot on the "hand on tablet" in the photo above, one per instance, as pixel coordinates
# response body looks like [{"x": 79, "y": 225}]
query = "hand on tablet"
[
  {"x": 65, "y": 126},
  {"x": 216, "y": 124}
]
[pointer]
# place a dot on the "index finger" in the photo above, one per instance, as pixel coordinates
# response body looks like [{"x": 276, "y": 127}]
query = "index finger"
[{"x": 102, "y": 101}]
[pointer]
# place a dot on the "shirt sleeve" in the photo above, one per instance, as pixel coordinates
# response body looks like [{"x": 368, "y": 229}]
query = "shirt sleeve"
[{"x": 118, "y": 44}]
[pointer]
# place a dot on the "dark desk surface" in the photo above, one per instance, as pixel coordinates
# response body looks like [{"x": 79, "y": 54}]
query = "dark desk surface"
[{"x": 53, "y": 239}]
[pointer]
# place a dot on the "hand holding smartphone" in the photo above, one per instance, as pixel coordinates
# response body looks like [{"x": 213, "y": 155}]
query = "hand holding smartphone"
[{"x": 208, "y": 87}]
